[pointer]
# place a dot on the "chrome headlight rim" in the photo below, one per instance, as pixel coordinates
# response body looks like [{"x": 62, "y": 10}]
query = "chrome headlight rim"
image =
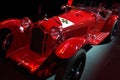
[
  {"x": 26, "y": 22},
  {"x": 55, "y": 33}
]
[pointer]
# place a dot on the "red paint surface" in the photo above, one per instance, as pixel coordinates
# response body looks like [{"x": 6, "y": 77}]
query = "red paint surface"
[{"x": 77, "y": 28}]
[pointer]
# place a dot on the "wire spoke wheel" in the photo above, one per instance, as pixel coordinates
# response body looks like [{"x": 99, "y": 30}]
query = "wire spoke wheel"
[
  {"x": 7, "y": 42},
  {"x": 75, "y": 71},
  {"x": 113, "y": 32},
  {"x": 6, "y": 38},
  {"x": 74, "y": 67}
]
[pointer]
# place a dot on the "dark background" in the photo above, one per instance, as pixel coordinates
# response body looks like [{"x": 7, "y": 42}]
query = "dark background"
[
  {"x": 103, "y": 61},
  {"x": 35, "y": 9},
  {"x": 30, "y": 8}
]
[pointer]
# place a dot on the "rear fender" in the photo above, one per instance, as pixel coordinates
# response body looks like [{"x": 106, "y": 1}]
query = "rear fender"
[
  {"x": 110, "y": 23},
  {"x": 68, "y": 48}
]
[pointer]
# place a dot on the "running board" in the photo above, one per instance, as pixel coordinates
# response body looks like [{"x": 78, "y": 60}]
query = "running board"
[{"x": 97, "y": 38}]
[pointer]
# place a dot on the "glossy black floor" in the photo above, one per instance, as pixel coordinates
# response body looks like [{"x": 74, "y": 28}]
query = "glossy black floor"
[{"x": 103, "y": 63}]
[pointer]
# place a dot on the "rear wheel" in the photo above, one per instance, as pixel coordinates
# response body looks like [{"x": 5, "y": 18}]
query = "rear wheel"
[
  {"x": 113, "y": 32},
  {"x": 73, "y": 68},
  {"x": 6, "y": 38}
]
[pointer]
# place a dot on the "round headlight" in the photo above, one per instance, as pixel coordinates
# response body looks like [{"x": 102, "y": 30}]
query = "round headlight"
[
  {"x": 26, "y": 22},
  {"x": 55, "y": 33}
]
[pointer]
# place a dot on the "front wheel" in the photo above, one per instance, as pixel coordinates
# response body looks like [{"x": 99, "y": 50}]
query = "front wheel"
[
  {"x": 5, "y": 42},
  {"x": 73, "y": 68}
]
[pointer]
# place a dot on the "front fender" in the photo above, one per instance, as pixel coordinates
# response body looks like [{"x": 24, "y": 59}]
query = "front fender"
[
  {"x": 68, "y": 48},
  {"x": 11, "y": 24},
  {"x": 20, "y": 38}
]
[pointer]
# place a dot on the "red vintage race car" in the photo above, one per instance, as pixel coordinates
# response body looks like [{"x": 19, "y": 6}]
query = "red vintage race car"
[{"x": 56, "y": 45}]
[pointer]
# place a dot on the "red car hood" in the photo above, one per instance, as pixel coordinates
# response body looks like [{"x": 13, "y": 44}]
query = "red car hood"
[
  {"x": 76, "y": 16},
  {"x": 69, "y": 18}
]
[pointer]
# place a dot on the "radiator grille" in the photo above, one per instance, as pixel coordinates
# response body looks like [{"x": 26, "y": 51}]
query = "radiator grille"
[{"x": 37, "y": 40}]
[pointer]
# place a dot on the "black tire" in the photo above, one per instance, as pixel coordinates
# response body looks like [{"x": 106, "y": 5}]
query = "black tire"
[
  {"x": 113, "y": 32},
  {"x": 73, "y": 68},
  {"x": 5, "y": 42}
]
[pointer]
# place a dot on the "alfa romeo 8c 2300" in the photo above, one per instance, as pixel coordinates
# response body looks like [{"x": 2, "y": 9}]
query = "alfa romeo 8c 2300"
[{"x": 56, "y": 45}]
